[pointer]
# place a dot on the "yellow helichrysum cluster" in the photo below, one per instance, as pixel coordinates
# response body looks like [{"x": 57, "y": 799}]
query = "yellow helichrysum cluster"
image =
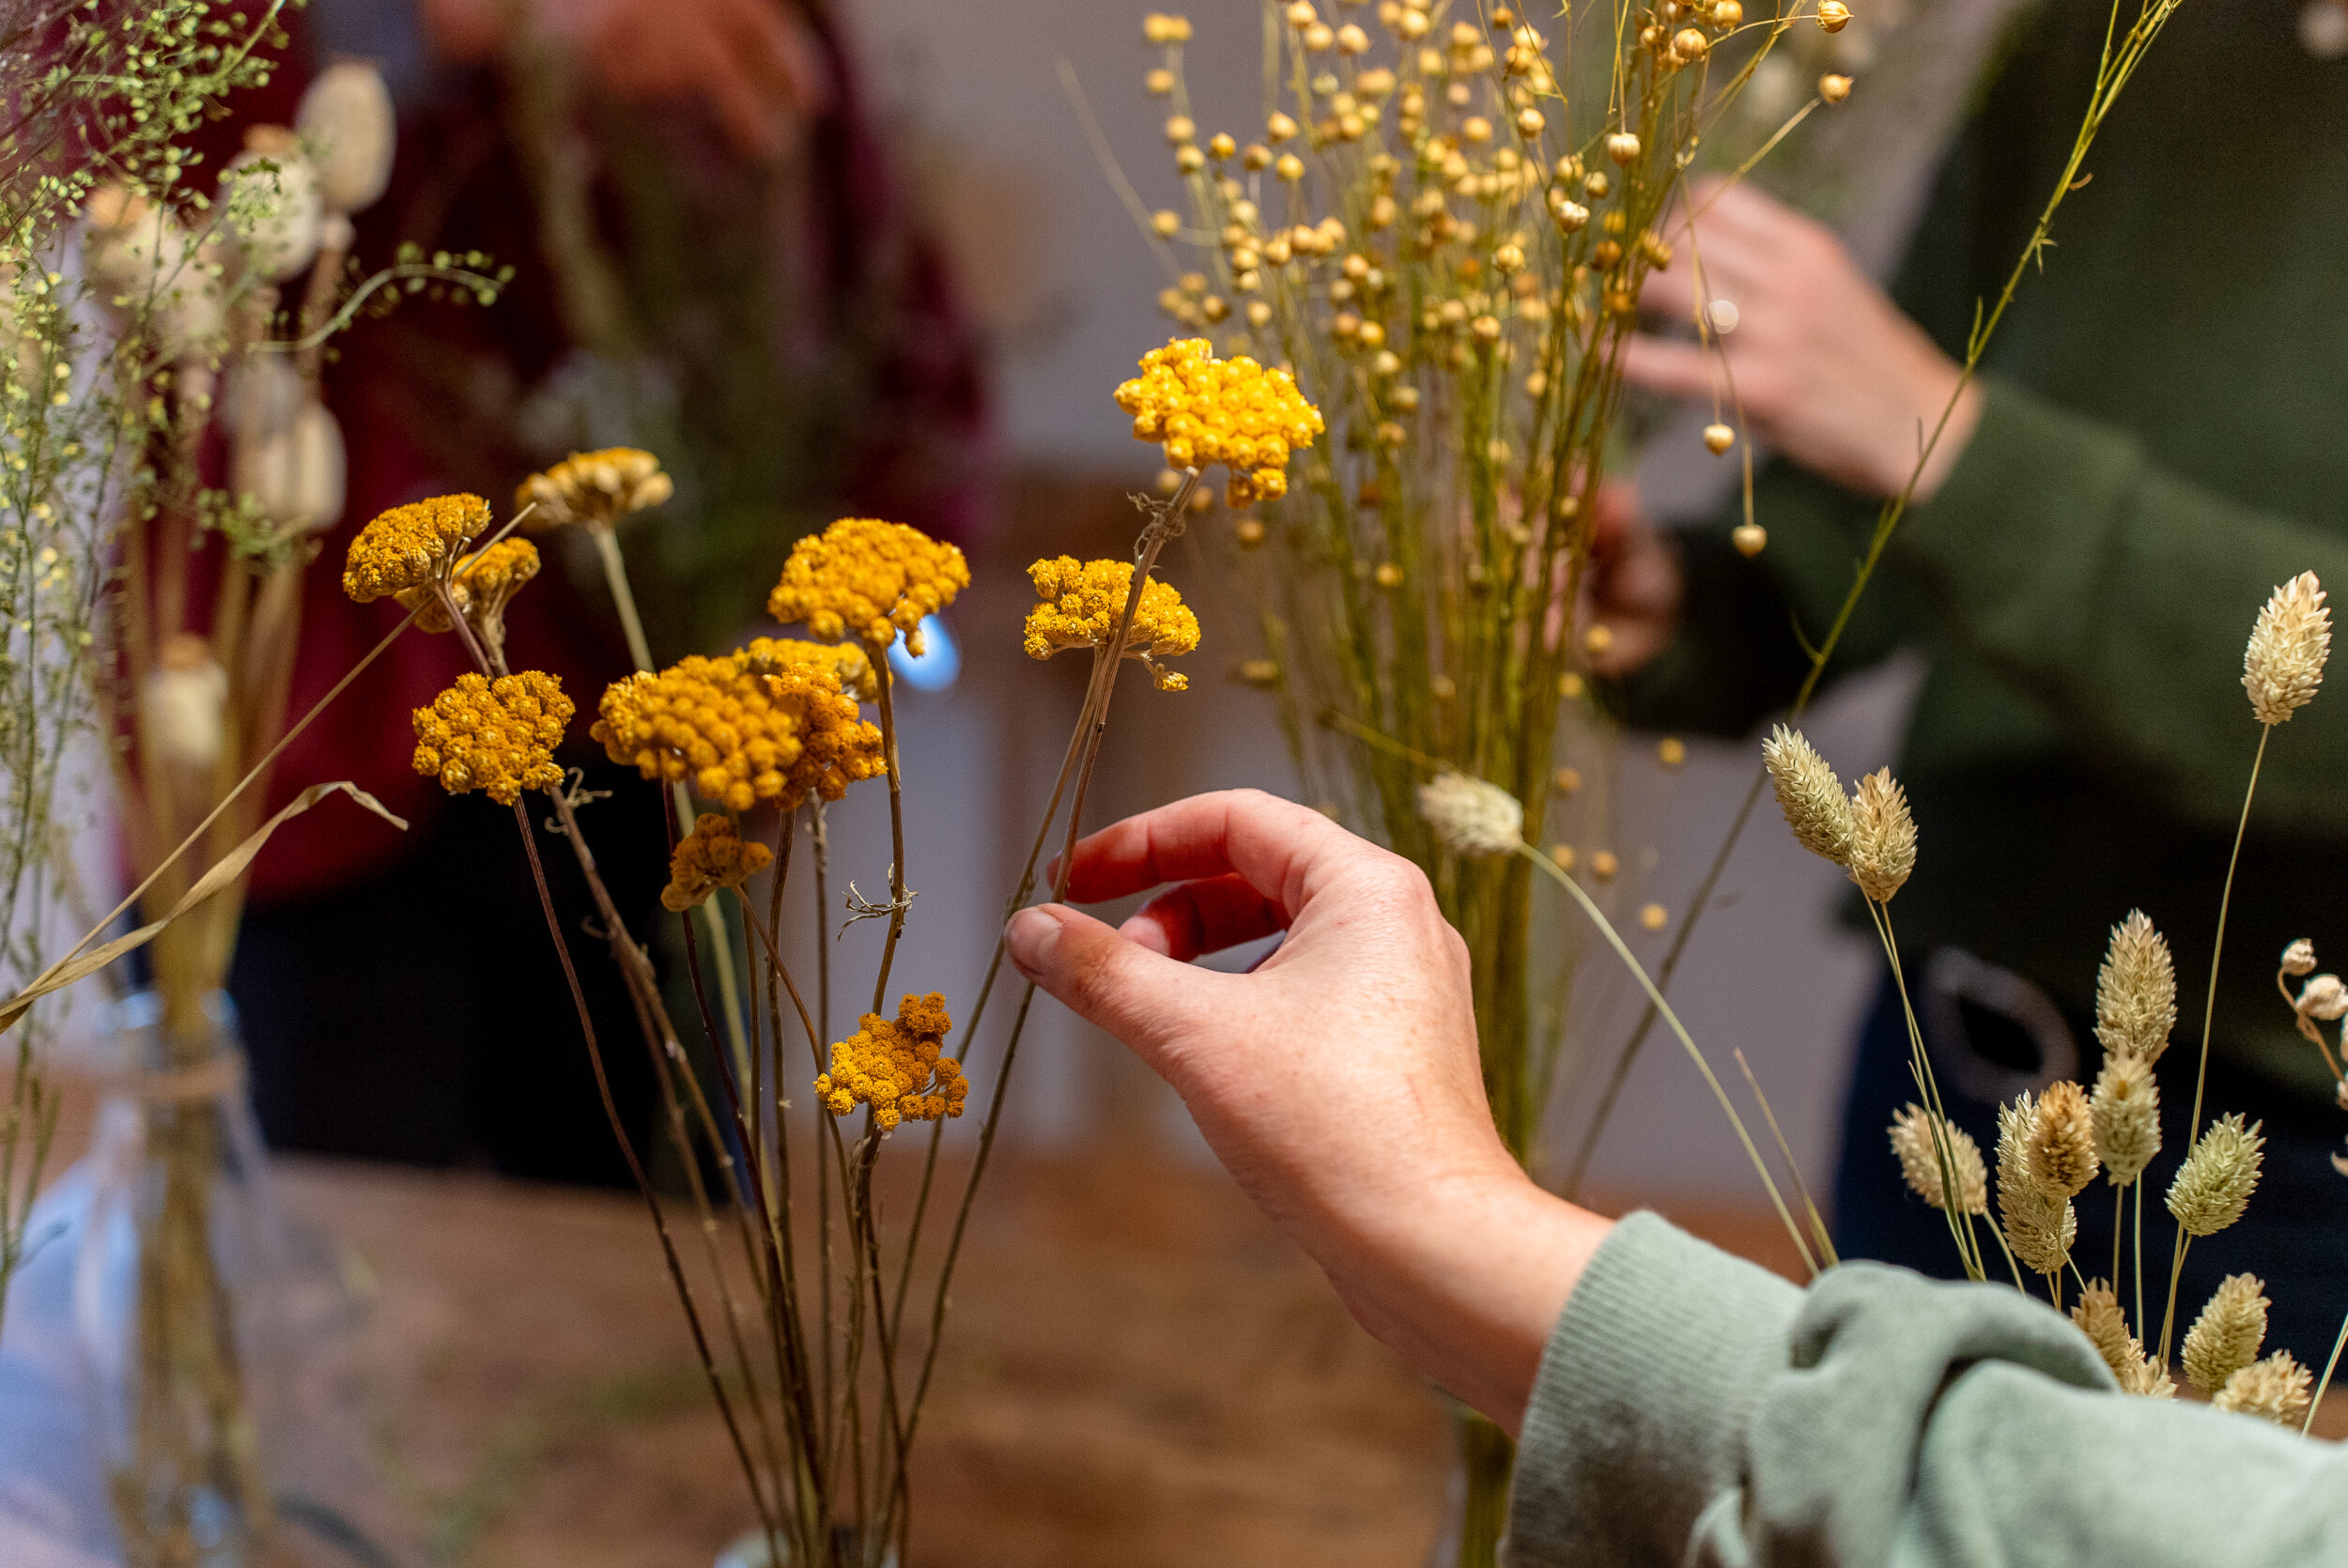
[
  {"x": 867, "y": 579},
  {"x": 496, "y": 736},
  {"x": 408, "y": 545},
  {"x": 895, "y": 1068},
  {"x": 1083, "y": 603},
  {"x": 739, "y": 735},
  {"x": 598, "y": 488},
  {"x": 1206, "y": 411},
  {"x": 482, "y": 584},
  {"x": 715, "y": 854},
  {"x": 846, "y": 661}
]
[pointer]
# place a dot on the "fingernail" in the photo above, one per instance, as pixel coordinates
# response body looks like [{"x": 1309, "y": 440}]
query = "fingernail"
[{"x": 1029, "y": 937}]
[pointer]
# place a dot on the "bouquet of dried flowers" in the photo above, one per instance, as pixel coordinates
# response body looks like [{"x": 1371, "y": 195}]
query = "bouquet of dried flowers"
[
  {"x": 2052, "y": 1146},
  {"x": 802, "y": 1306}
]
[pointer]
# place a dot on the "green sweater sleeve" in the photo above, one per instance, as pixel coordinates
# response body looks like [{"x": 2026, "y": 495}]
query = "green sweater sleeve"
[
  {"x": 2061, "y": 556},
  {"x": 1691, "y": 1409}
]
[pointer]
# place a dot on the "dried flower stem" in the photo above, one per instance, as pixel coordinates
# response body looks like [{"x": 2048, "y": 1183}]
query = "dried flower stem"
[
  {"x": 2112, "y": 75},
  {"x": 2209, "y": 1015},
  {"x": 2325, "y": 1381},
  {"x": 1622, "y": 950}
]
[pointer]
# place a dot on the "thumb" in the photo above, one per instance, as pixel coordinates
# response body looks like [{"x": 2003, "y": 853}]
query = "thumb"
[{"x": 1143, "y": 998}]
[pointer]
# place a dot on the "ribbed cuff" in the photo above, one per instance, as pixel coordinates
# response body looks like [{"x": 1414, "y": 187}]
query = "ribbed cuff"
[{"x": 1638, "y": 1414}]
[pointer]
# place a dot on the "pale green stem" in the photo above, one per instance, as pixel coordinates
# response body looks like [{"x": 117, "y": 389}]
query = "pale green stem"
[
  {"x": 2316, "y": 1403},
  {"x": 1622, "y": 950}
]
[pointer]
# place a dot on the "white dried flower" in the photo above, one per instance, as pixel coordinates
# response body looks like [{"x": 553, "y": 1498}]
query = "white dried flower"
[
  {"x": 181, "y": 705},
  {"x": 347, "y": 119},
  {"x": 2136, "y": 990},
  {"x": 2276, "y": 1389},
  {"x": 296, "y": 474},
  {"x": 2299, "y": 957},
  {"x": 1883, "y": 836},
  {"x": 2126, "y": 1108},
  {"x": 1919, "y": 1156},
  {"x": 269, "y": 192},
  {"x": 2324, "y": 998},
  {"x": 1809, "y": 794},
  {"x": 2225, "y": 1338},
  {"x": 2284, "y": 662},
  {"x": 1470, "y": 817},
  {"x": 2213, "y": 1185},
  {"x": 153, "y": 272}
]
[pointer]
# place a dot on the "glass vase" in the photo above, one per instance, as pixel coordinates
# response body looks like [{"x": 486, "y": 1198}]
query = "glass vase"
[{"x": 176, "y": 1294}]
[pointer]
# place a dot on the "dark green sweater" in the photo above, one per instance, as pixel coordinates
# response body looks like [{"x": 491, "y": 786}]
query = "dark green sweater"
[{"x": 2164, "y": 440}]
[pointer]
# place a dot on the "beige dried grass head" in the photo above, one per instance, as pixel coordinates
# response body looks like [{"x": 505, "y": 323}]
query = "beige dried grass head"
[
  {"x": 1810, "y": 794},
  {"x": 2213, "y": 1185},
  {"x": 2136, "y": 990},
  {"x": 2039, "y": 1225},
  {"x": 2148, "y": 1379},
  {"x": 2284, "y": 662},
  {"x": 2105, "y": 1323},
  {"x": 2299, "y": 957},
  {"x": 2126, "y": 1109},
  {"x": 2226, "y": 1337},
  {"x": 2275, "y": 1389},
  {"x": 1883, "y": 836},
  {"x": 2062, "y": 1141},
  {"x": 1921, "y": 1156}
]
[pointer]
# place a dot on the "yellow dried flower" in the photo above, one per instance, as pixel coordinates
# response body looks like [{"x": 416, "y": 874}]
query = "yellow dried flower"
[
  {"x": 409, "y": 546},
  {"x": 2284, "y": 662},
  {"x": 1235, "y": 412},
  {"x": 895, "y": 1068},
  {"x": 846, "y": 661},
  {"x": 715, "y": 854},
  {"x": 2126, "y": 1108},
  {"x": 1083, "y": 603},
  {"x": 2136, "y": 990},
  {"x": 2062, "y": 1140},
  {"x": 483, "y": 583},
  {"x": 2039, "y": 1225},
  {"x": 1920, "y": 1161},
  {"x": 1883, "y": 836},
  {"x": 596, "y": 488},
  {"x": 2275, "y": 1389},
  {"x": 2225, "y": 1338},
  {"x": 1809, "y": 794},
  {"x": 740, "y": 737},
  {"x": 867, "y": 579},
  {"x": 495, "y": 736},
  {"x": 2101, "y": 1318},
  {"x": 2213, "y": 1185}
]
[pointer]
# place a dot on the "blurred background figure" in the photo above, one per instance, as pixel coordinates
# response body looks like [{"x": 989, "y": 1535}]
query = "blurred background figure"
[
  {"x": 2149, "y": 451},
  {"x": 715, "y": 259}
]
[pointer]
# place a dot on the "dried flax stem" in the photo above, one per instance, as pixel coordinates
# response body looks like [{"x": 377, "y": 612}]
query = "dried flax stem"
[
  {"x": 1622, "y": 950},
  {"x": 2333, "y": 1362},
  {"x": 2112, "y": 76}
]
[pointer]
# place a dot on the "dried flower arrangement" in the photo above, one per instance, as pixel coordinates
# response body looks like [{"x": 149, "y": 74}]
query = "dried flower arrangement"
[
  {"x": 814, "y": 1346},
  {"x": 1445, "y": 232},
  {"x": 2052, "y": 1146}
]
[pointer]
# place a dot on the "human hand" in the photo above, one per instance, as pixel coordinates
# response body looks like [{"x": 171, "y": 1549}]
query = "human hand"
[
  {"x": 755, "y": 63},
  {"x": 1631, "y": 585},
  {"x": 1826, "y": 368},
  {"x": 1338, "y": 1082}
]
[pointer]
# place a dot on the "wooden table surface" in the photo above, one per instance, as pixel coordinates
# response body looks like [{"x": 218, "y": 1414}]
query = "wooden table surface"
[{"x": 1138, "y": 1371}]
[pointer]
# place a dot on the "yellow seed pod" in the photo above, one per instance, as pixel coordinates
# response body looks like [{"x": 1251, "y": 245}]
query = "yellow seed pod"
[
  {"x": 1279, "y": 127},
  {"x": 1289, "y": 168},
  {"x": 1388, "y": 575},
  {"x": 1221, "y": 145},
  {"x": 1167, "y": 222},
  {"x": 1727, "y": 13},
  {"x": 1565, "y": 780},
  {"x": 1159, "y": 83},
  {"x": 1563, "y": 854},
  {"x": 1671, "y": 751},
  {"x": 1179, "y": 129},
  {"x": 1834, "y": 88},
  {"x": 1719, "y": 438},
  {"x": 1690, "y": 44},
  {"x": 1529, "y": 123},
  {"x": 1599, "y": 638},
  {"x": 1750, "y": 539},
  {"x": 1833, "y": 15},
  {"x": 1603, "y": 865},
  {"x": 1623, "y": 147},
  {"x": 1654, "y": 917}
]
